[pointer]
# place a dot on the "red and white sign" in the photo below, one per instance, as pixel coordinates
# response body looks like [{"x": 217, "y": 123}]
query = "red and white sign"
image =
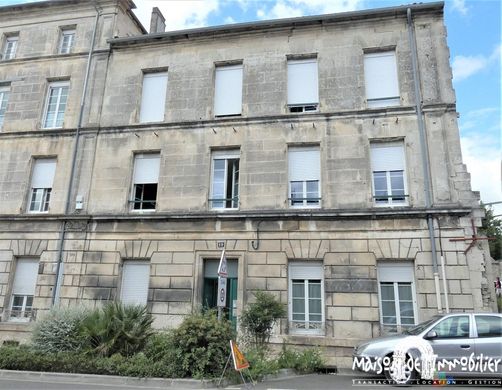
[
  {"x": 240, "y": 362},
  {"x": 222, "y": 292}
]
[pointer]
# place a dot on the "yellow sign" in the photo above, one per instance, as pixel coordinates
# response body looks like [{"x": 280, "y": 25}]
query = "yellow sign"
[{"x": 240, "y": 361}]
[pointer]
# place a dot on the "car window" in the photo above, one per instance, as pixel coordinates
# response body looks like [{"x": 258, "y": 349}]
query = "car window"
[
  {"x": 489, "y": 326},
  {"x": 457, "y": 326},
  {"x": 420, "y": 327}
]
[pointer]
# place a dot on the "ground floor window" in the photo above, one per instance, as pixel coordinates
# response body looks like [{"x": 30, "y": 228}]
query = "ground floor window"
[
  {"x": 397, "y": 295},
  {"x": 135, "y": 280},
  {"x": 210, "y": 288},
  {"x": 306, "y": 297},
  {"x": 23, "y": 290}
]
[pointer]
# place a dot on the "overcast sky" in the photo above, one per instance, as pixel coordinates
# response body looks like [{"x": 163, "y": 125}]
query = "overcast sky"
[{"x": 474, "y": 38}]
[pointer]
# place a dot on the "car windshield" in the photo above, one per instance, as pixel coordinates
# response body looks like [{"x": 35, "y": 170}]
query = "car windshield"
[{"x": 420, "y": 327}]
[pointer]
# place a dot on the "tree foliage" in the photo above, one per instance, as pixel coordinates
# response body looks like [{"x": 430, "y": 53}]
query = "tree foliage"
[{"x": 492, "y": 227}]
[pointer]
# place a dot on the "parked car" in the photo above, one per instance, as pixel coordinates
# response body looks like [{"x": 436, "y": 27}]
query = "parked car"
[{"x": 466, "y": 344}]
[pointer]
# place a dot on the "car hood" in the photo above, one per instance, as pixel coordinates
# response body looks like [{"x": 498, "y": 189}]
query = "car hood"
[{"x": 379, "y": 346}]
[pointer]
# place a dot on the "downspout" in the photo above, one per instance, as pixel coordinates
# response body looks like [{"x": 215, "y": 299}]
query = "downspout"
[
  {"x": 443, "y": 270},
  {"x": 59, "y": 267},
  {"x": 425, "y": 156}
]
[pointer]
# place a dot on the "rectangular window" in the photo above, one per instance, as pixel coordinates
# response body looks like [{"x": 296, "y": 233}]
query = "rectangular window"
[
  {"x": 304, "y": 176},
  {"x": 23, "y": 289},
  {"x": 57, "y": 97},
  {"x": 10, "y": 47},
  {"x": 306, "y": 297},
  {"x": 145, "y": 181},
  {"x": 225, "y": 180},
  {"x": 228, "y": 90},
  {"x": 4, "y": 99},
  {"x": 388, "y": 170},
  {"x": 67, "y": 41},
  {"x": 380, "y": 75},
  {"x": 397, "y": 296},
  {"x": 303, "y": 85},
  {"x": 41, "y": 184},
  {"x": 153, "y": 97},
  {"x": 135, "y": 279}
]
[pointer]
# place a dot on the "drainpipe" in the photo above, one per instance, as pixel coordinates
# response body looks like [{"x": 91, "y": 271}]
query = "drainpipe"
[
  {"x": 425, "y": 155},
  {"x": 59, "y": 267}
]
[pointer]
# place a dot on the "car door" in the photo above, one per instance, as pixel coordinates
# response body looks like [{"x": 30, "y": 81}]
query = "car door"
[
  {"x": 488, "y": 341},
  {"x": 453, "y": 340}
]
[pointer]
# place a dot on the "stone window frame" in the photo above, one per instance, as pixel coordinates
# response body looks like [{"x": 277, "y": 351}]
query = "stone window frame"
[
  {"x": 314, "y": 330},
  {"x": 7, "y": 37},
  {"x": 397, "y": 277}
]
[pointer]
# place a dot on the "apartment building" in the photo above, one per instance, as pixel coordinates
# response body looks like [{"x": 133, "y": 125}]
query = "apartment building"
[{"x": 322, "y": 153}]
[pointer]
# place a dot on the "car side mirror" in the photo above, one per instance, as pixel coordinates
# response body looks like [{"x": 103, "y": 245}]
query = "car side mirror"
[{"x": 431, "y": 335}]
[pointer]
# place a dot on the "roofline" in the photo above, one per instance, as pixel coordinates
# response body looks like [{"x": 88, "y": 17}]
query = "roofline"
[{"x": 433, "y": 7}]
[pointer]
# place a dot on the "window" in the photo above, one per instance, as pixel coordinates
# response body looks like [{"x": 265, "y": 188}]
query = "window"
[
  {"x": 10, "y": 47},
  {"x": 397, "y": 295},
  {"x": 56, "y": 104},
  {"x": 41, "y": 184},
  {"x": 135, "y": 279},
  {"x": 23, "y": 289},
  {"x": 453, "y": 327},
  {"x": 145, "y": 181},
  {"x": 228, "y": 90},
  {"x": 489, "y": 326},
  {"x": 153, "y": 98},
  {"x": 380, "y": 75},
  {"x": 303, "y": 85},
  {"x": 4, "y": 99},
  {"x": 304, "y": 176},
  {"x": 67, "y": 41},
  {"x": 306, "y": 297},
  {"x": 388, "y": 167},
  {"x": 225, "y": 180}
]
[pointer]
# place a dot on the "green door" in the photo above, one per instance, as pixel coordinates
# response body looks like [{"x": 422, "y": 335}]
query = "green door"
[{"x": 210, "y": 289}]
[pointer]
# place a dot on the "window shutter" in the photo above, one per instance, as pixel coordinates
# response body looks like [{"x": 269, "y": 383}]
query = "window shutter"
[
  {"x": 395, "y": 272},
  {"x": 306, "y": 270},
  {"x": 380, "y": 74},
  {"x": 25, "y": 278},
  {"x": 153, "y": 99},
  {"x": 304, "y": 163},
  {"x": 387, "y": 156},
  {"x": 146, "y": 168},
  {"x": 43, "y": 173},
  {"x": 302, "y": 82},
  {"x": 135, "y": 279},
  {"x": 228, "y": 90}
]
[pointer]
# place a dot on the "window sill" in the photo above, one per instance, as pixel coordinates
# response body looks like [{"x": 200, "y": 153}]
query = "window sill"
[
  {"x": 143, "y": 211},
  {"x": 37, "y": 212},
  {"x": 224, "y": 209},
  {"x": 391, "y": 205}
]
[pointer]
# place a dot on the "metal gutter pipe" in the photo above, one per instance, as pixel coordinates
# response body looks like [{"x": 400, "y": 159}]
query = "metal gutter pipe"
[
  {"x": 59, "y": 267},
  {"x": 425, "y": 155}
]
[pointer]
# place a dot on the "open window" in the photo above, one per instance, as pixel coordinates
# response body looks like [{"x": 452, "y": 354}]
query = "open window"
[
  {"x": 145, "y": 181},
  {"x": 42, "y": 179},
  {"x": 225, "y": 180}
]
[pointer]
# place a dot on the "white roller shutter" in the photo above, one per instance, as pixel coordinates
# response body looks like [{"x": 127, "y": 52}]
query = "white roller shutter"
[
  {"x": 153, "y": 99},
  {"x": 395, "y": 272},
  {"x": 306, "y": 270},
  {"x": 135, "y": 279},
  {"x": 146, "y": 168},
  {"x": 304, "y": 163},
  {"x": 302, "y": 82},
  {"x": 25, "y": 278},
  {"x": 380, "y": 74},
  {"x": 228, "y": 90},
  {"x": 388, "y": 156},
  {"x": 43, "y": 173}
]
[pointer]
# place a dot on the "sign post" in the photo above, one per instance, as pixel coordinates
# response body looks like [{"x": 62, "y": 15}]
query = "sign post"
[{"x": 222, "y": 284}]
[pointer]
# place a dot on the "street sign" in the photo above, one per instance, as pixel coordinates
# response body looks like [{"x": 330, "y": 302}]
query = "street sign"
[
  {"x": 222, "y": 268},
  {"x": 222, "y": 292}
]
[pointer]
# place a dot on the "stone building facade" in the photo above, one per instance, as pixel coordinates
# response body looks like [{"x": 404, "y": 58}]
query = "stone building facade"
[{"x": 129, "y": 162}]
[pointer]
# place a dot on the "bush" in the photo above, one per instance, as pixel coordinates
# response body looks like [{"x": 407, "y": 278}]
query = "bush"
[
  {"x": 59, "y": 330},
  {"x": 200, "y": 346},
  {"x": 258, "y": 318},
  {"x": 304, "y": 362},
  {"x": 117, "y": 328}
]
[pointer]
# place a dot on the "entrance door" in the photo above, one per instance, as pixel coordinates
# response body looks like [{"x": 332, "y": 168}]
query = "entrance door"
[{"x": 210, "y": 293}]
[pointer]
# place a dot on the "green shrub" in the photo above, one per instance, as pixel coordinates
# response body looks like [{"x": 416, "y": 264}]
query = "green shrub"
[
  {"x": 260, "y": 364},
  {"x": 258, "y": 318},
  {"x": 59, "y": 330},
  {"x": 304, "y": 362},
  {"x": 201, "y": 346},
  {"x": 117, "y": 328}
]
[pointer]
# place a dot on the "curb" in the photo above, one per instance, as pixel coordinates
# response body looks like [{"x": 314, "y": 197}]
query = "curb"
[{"x": 158, "y": 383}]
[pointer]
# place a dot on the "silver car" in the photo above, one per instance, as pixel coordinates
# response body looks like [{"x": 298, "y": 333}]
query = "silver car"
[{"x": 464, "y": 345}]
